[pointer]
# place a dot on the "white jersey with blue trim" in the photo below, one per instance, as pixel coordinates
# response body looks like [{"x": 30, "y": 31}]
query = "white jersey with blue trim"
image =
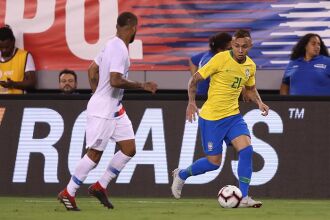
[{"x": 106, "y": 101}]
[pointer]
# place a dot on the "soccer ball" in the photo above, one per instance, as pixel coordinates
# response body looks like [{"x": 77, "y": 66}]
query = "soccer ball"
[{"x": 229, "y": 196}]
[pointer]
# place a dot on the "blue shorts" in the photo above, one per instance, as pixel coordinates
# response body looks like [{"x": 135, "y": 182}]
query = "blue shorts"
[{"x": 213, "y": 133}]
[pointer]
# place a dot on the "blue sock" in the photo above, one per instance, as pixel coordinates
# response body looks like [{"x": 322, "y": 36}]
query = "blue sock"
[
  {"x": 200, "y": 166},
  {"x": 245, "y": 169}
]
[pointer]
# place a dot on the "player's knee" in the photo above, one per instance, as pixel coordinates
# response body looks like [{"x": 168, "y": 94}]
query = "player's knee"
[
  {"x": 215, "y": 160},
  {"x": 129, "y": 151},
  {"x": 94, "y": 155},
  {"x": 128, "y": 147},
  {"x": 132, "y": 152},
  {"x": 217, "y": 165}
]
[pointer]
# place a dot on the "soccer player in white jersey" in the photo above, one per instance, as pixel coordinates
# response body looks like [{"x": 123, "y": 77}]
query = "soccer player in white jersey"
[{"x": 106, "y": 116}]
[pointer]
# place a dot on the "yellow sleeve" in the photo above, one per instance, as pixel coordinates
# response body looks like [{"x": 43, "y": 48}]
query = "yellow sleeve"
[
  {"x": 211, "y": 67},
  {"x": 252, "y": 80}
]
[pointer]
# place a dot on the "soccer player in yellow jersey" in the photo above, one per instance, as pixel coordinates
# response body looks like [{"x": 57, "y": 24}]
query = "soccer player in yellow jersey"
[{"x": 220, "y": 118}]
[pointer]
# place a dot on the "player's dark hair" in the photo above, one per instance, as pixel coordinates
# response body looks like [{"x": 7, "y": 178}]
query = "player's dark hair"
[
  {"x": 126, "y": 18},
  {"x": 67, "y": 71},
  {"x": 299, "y": 50},
  {"x": 6, "y": 33},
  {"x": 219, "y": 41},
  {"x": 241, "y": 33}
]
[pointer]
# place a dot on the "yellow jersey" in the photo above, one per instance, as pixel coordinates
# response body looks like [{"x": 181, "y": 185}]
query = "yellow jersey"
[
  {"x": 13, "y": 69},
  {"x": 227, "y": 77}
]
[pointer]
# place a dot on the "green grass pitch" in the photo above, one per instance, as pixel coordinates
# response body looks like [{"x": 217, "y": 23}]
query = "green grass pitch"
[{"x": 32, "y": 208}]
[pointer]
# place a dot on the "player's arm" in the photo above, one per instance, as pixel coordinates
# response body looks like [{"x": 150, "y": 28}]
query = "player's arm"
[
  {"x": 245, "y": 98},
  {"x": 28, "y": 82},
  {"x": 30, "y": 76},
  {"x": 284, "y": 89},
  {"x": 253, "y": 94},
  {"x": 192, "y": 87},
  {"x": 194, "y": 62},
  {"x": 93, "y": 76},
  {"x": 192, "y": 67},
  {"x": 285, "y": 85},
  {"x": 118, "y": 81}
]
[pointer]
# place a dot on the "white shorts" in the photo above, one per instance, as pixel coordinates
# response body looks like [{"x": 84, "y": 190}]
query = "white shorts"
[{"x": 100, "y": 130}]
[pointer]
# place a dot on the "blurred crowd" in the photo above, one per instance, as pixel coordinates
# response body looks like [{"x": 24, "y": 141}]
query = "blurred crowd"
[{"x": 307, "y": 74}]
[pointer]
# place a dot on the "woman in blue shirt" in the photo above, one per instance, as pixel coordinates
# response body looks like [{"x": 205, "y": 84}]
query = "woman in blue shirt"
[{"x": 308, "y": 72}]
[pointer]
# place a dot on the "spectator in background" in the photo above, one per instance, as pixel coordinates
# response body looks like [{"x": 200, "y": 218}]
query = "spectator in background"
[
  {"x": 67, "y": 81},
  {"x": 17, "y": 69},
  {"x": 308, "y": 72},
  {"x": 217, "y": 43}
]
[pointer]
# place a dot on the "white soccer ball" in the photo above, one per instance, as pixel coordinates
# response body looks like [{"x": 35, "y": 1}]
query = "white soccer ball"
[{"x": 229, "y": 196}]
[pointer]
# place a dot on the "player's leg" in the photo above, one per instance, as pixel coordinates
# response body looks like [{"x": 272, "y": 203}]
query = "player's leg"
[
  {"x": 83, "y": 167},
  {"x": 240, "y": 138},
  {"x": 212, "y": 145},
  {"x": 201, "y": 166},
  {"x": 242, "y": 145},
  {"x": 123, "y": 135},
  {"x": 97, "y": 136},
  {"x": 118, "y": 162}
]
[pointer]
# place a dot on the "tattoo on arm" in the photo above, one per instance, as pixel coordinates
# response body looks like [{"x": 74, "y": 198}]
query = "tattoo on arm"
[
  {"x": 93, "y": 76},
  {"x": 192, "y": 67},
  {"x": 192, "y": 86},
  {"x": 255, "y": 97},
  {"x": 258, "y": 98}
]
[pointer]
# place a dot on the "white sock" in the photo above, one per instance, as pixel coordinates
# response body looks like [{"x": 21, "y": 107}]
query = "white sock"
[
  {"x": 84, "y": 166},
  {"x": 117, "y": 163}
]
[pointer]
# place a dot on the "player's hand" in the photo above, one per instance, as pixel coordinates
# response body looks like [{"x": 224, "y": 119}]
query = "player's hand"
[
  {"x": 150, "y": 87},
  {"x": 191, "y": 112},
  {"x": 264, "y": 109},
  {"x": 7, "y": 84},
  {"x": 3, "y": 84}
]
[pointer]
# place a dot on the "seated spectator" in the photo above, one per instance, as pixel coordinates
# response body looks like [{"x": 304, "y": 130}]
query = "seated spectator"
[
  {"x": 67, "y": 81},
  {"x": 17, "y": 69},
  {"x": 217, "y": 43},
  {"x": 308, "y": 72}
]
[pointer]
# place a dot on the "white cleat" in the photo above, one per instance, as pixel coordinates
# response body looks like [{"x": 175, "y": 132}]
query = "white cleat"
[
  {"x": 177, "y": 184},
  {"x": 248, "y": 202}
]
